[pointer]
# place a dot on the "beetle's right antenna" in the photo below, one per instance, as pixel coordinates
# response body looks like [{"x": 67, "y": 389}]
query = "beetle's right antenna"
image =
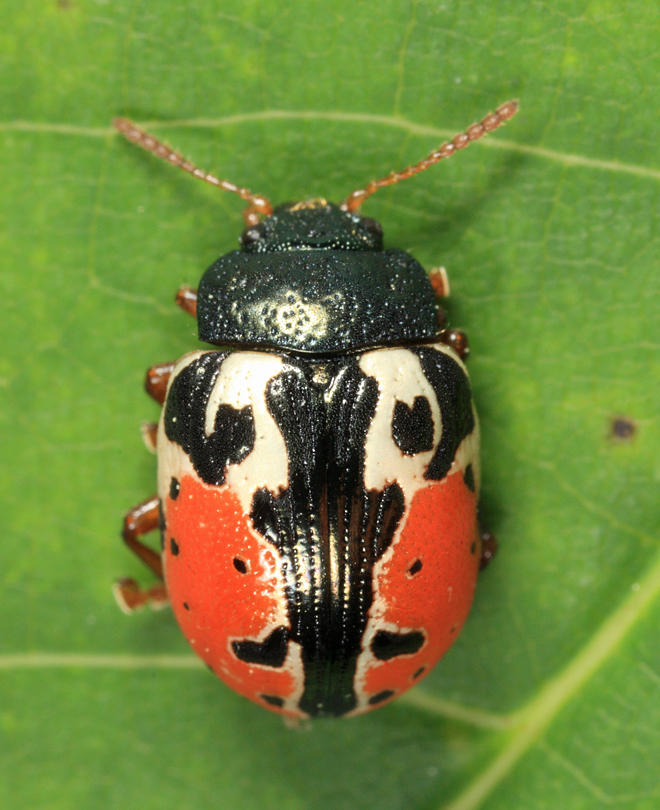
[
  {"x": 258, "y": 207},
  {"x": 473, "y": 133}
]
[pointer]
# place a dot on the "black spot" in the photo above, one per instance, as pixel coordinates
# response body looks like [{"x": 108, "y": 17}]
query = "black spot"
[
  {"x": 468, "y": 477},
  {"x": 268, "y": 653},
  {"x": 379, "y": 697},
  {"x": 415, "y": 568},
  {"x": 412, "y": 428},
  {"x": 233, "y": 435},
  {"x": 622, "y": 428},
  {"x": 186, "y": 606},
  {"x": 174, "y": 546},
  {"x": 175, "y": 488},
  {"x": 386, "y": 645},
  {"x": 240, "y": 565},
  {"x": 273, "y": 700},
  {"x": 473, "y": 547},
  {"x": 418, "y": 672}
]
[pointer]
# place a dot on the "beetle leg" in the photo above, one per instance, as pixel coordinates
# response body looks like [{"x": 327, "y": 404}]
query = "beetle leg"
[
  {"x": 156, "y": 380},
  {"x": 457, "y": 340},
  {"x": 140, "y": 520},
  {"x": 488, "y": 548},
  {"x": 130, "y": 597},
  {"x": 186, "y": 298},
  {"x": 439, "y": 279}
]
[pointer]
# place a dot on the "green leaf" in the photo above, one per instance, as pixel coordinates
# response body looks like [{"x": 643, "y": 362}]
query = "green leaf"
[{"x": 550, "y": 231}]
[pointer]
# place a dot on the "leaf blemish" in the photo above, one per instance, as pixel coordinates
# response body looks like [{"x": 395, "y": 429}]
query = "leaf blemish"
[{"x": 622, "y": 429}]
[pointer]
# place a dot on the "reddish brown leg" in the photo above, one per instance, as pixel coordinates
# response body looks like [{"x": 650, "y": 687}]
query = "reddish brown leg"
[
  {"x": 186, "y": 298},
  {"x": 130, "y": 597},
  {"x": 457, "y": 340},
  {"x": 488, "y": 549},
  {"x": 156, "y": 381},
  {"x": 439, "y": 281},
  {"x": 140, "y": 520}
]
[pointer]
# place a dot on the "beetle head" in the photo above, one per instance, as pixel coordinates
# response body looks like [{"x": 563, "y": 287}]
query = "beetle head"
[{"x": 312, "y": 225}]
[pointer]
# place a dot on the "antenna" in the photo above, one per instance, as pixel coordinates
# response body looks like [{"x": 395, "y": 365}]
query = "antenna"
[
  {"x": 491, "y": 122},
  {"x": 259, "y": 206}
]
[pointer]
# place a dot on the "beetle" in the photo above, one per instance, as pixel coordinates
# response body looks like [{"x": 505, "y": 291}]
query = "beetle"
[{"x": 318, "y": 471}]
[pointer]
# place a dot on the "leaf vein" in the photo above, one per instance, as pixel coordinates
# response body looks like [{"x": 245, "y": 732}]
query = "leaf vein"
[
  {"x": 565, "y": 158},
  {"x": 532, "y": 720}
]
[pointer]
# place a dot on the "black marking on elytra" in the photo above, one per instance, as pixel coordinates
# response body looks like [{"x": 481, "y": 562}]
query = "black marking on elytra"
[
  {"x": 452, "y": 389},
  {"x": 473, "y": 547},
  {"x": 468, "y": 477},
  {"x": 174, "y": 546},
  {"x": 233, "y": 435},
  {"x": 418, "y": 672},
  {"x": 186, "y": 606},
  {"x": 175, "y": 488},
  {"x": 379, "y": 697},
  {"x": 325, "y": 520},
  {"x": 386, "y": 645},
  {"x": 412, "y": 428},
  {"x": 240, "y": 565},
  {"x": 415, "y": 568},
  {"x": 268, "y": 653},
  {"x": 273, "y": 700}
]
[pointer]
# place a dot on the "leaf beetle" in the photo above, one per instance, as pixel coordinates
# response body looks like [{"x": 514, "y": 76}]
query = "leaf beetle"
[{"x": 318, "y": 472}]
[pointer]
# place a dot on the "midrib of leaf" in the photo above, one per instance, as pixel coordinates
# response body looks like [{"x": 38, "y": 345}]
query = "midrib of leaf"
[
  {"x": 565, "y": 158},
  {"x": 530, "y": 721}
]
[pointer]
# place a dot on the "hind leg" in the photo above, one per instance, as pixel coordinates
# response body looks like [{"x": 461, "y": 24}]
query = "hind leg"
[{"x": 141, "y": 519}]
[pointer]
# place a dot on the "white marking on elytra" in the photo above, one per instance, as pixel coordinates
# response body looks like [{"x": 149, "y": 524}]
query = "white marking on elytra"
[
  {"x": 242, "y": 382},
  {"x": 400, "y": 377},
  {"x": 294, "y": 665}
]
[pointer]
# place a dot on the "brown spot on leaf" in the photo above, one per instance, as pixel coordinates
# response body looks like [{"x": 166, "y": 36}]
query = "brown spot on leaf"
[{"x": 622, "y": 428}]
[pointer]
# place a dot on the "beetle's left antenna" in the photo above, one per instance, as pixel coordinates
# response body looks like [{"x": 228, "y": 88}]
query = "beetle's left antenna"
[
  {"x": 492, "y": 121},
  {"x": 258, "y": 206}
]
